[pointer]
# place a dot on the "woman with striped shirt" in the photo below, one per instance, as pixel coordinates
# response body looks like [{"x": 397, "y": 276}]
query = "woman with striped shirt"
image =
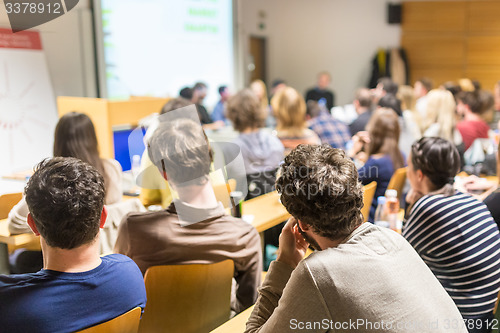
[{"x": 453, "y": 232}]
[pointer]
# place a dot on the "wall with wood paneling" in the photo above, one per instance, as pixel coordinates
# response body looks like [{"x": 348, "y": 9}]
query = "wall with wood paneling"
[{"x": 448, "y": 40}]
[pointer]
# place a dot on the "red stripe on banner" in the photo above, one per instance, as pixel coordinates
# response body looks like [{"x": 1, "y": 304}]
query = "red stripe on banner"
[{"x": 20, "y": 40}]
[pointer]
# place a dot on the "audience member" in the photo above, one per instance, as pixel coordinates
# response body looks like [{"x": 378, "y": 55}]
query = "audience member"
[
  {"x": 330, "y": 130},
  {"x": 186, "y": 93},
  {"x": 261, "y": 151},
  {"x": 392, "y": 102},
  {"x": 385, "y": 86},
  {"x": 472, "y": 127},
  {"x": 493, "y": 195},
  {"x": 381, "y": 145},
  {"x": 194, "y": 229},
  {"x": 218, "y": 112},
  {"x": 411, "y": 116},
  {"x": 276, "y": 86},
  {"x": 258, "y": 87},
  {"x": 199, "y": 94},
  {"x": 74, "y": 136},
  {"x": 154, "y": 188},
  {"x": 76, "y": 287},
  {"x": 421, "y": 88},
  {"x": 321, "y": 91},
  {"x": 290, "y": 111},
  {"x": 452, "y": 87},
  {"x": 360, "y": 276},
  {"x": 363, "y": 105},
  {"x": 453, "y": 232},
  {"x": 440, "y": 117}
]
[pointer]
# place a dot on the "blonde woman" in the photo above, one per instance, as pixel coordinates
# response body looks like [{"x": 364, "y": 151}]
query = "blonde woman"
[
  {"x": 289, "y": 109},
  {"x": 412, "y": 120},
  {"x": 441, "y": 119}
]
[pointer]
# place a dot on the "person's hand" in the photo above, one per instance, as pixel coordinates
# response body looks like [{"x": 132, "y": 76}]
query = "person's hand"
[
  {"x": 292, "y": 246},
  {"x": 413, "y": 196},
  {"x": 359, "y": 140},
  {"x": 474, "y": 184}
]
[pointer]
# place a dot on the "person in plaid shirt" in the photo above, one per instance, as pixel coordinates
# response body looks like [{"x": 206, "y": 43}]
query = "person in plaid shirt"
[{"x": 330, "y": 130}]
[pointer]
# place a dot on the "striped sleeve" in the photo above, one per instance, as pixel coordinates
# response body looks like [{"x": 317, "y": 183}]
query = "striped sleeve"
[{"x": 459, "y": 241}]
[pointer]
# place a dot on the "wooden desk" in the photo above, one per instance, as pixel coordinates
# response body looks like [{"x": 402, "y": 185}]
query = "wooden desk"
[
  {"x": 7, "y": 239},
  {"x": 237, "y": 324},
  {"x": 267, "y": 211}
]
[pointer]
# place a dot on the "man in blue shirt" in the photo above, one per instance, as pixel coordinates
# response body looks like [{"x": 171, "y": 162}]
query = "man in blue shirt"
[
  {"x": 76, "y": 288},
  {"x": 218, "y": 112}
]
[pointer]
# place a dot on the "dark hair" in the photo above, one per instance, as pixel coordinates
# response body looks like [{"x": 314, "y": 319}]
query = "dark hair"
[
  {"x": 319, "y": 186},
  {"x": 384, "y": 131},
  {"x": 277, "y": 82},
  {"x": 437, "y": 158},
  {"x": 186, "y": 93},
  {"x": 392, "y": 102},
  {"x": 471, "y": 99},
  {"x": 486, "y": 100},
  {"x": 426, "y": 82},
  {"x": 221, "y": 89},
  {"x": 174, "y": 104},
  {"x": 388, "y": 85},
  {"x": 245, "y": 111},
  {"x": 452, "y": 87},
  {"x": 75, "y": 137},
  {"x": 180, "y": 149},
  {"x": 65, "y": 197},
  {"x": 312, "y": 108}
]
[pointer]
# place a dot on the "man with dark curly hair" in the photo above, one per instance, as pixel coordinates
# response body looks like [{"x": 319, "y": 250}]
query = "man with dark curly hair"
[
  {"x": 76, "y": 287},
  {"x": 362, "y": 278}
]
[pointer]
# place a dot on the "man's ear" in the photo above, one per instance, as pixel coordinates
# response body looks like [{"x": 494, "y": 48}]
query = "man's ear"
[
  {"x": 32, "y": 225},
  {"x": 104, "y": 215},
  {"x": 420, "y": 175},
  {"x": 303, "y": 225}
]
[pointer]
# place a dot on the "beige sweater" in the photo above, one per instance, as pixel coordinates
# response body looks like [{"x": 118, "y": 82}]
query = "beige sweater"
[{"x": 372, "y": 282}]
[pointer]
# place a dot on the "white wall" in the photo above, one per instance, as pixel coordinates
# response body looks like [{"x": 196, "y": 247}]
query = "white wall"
[
  {"x": 305, "y": 37},
  {"x": 67, "y": 42}
]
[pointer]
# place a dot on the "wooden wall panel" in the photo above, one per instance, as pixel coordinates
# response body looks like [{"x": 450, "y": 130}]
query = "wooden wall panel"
[
  {"x": 484, "y": 17},
  {"x": 483, "y": 51},
  {"x": 434, "y": 50},
  {"x": 447, "y": 40},
  {"x": 434, "y": 17},
  {"x": 437, "y": 75}
]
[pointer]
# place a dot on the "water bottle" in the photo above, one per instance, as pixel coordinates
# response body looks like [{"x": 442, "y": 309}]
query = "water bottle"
[
  {"x": 392, "y": 203},
  {"x": 381, "y": 218}
]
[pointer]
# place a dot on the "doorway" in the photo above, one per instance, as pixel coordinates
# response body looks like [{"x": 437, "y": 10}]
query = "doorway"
[{"x": 257, "y": 66}]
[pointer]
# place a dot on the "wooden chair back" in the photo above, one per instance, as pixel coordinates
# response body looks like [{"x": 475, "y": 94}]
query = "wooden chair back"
[
  {"x": 126, "y": 323},
  {"x": 187, "y": 298},
  {"x": 222, "y": 192},
  {"x": 398, "y": 181},
  {"x": 7, "y": 201},
  {"x": 369, "y": 193}
]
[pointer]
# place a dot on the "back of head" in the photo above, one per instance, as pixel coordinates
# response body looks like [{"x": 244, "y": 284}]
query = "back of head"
[
  {"x": 471, "y": 99},
  {"x": 179, "y": 148},
  {"x": 453, "y": 87},
  {"x": 65, "y": 197},
  {"x": 174, "y": 104},
  {"x": 437, "y": 158},
  {"x": 389, "y": 86},
  {"x": 289, "y": 108},
  {"x": 384, "y": 131},
  {"x": 319, "y": 186},
  {"x": 426, "y": 83},
  {"x": 277, "y": 82},
  {"x": 466, "y": 84},
  {"x": 440, "y": 109},
  {"x": 486, "y": 100},
  {"x": 260, "y": 90},
  {"x": 313, "y": 109},
  {"x": 364, "y": 97},
  {"x": 186, "y": 93},
  {"x": 75, "y": 136},
  {"x": 407, "y": 96},
  {"x": 390, "y": 101},
  {"x": 245, "y": 111}
]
